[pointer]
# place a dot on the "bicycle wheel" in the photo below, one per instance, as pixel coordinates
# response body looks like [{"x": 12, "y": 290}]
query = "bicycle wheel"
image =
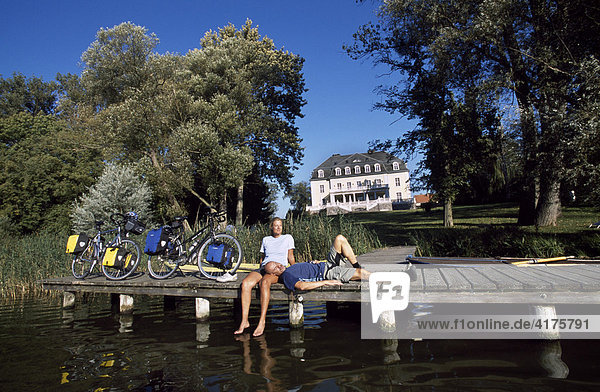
[
  {"x": 230, "y": 255},
  {"x": 163, "y": 265},
  {"x": 82, "y": 263},
  {"x": 119, "y": 273}
]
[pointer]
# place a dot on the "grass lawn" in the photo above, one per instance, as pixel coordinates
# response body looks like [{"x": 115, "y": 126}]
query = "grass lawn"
[{"x": 472, "y": 224}]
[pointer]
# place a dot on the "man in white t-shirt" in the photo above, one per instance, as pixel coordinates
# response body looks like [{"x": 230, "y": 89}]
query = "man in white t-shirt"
[{"x": 279, "y": 248}]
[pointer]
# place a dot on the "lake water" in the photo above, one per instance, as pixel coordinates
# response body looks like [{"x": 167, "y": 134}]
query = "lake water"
[{"x": 93, "y": 348}]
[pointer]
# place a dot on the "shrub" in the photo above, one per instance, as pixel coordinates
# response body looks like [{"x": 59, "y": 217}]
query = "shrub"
[{"x": 119, "y": 189}]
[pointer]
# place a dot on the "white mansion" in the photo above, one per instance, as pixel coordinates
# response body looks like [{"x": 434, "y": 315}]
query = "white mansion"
[{"x": 374, "y": 181}]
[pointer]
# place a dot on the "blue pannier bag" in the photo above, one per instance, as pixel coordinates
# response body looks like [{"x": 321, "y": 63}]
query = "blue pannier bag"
[
  {"x": 157, "y": 241},
  {"x": 219, "y": 253}
]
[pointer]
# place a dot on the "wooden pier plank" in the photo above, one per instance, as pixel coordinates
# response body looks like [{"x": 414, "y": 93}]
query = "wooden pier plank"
[
  {"x": 433, "y": 280},
  {"x": 455, "y": 280},
  {"x": 479, "y": 282}
]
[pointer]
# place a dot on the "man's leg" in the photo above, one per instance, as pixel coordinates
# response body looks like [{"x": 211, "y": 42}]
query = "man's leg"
[
  {"x": 342, "y": 246},
  {"x": 265, "y": 295},
  {"x": 360, "y": 274},
  {"x": 247, "y": 285}
]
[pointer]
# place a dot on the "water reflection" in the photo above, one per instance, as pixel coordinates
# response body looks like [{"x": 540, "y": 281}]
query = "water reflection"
[
  {"x": 90, "y": 347},
  {"x": 265, "y": 363}
]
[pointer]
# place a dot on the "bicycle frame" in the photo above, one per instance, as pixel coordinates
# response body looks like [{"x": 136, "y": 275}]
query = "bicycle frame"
[{"x": 189, "y": 253}]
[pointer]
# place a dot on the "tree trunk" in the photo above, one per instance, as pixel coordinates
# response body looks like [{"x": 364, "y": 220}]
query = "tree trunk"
[
  {"x": 522, "y": 87},
  {"x": 548, "y": 207},
  {"x": 448, "y": 220},
  {"x": 239, "y": 211},
  {"x": 223, "y": 208}
]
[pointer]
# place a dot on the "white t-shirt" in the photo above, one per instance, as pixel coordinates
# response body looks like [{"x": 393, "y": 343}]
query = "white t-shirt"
[{"x": 276, "y": 249}]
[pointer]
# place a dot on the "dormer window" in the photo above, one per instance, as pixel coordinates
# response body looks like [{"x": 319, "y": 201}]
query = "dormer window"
[
  {"x": 396, "y": 166},
  {"x": 377, "y": 167},
  {"x": 356, "y": 169},
  {"x": 347, "y": 170},
  {"x": 338, "y": 171},
  {"x": 321, "y": 174},
  {"x": 367, "y": 169}
]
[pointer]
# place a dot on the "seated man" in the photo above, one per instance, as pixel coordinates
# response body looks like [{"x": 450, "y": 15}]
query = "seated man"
[{"x": 307, "y": 276}]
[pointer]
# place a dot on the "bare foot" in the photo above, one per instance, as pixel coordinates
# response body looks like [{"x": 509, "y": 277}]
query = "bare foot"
[
  {"x": 260, "y": 329},
  {"x": 243, "y": 326}
]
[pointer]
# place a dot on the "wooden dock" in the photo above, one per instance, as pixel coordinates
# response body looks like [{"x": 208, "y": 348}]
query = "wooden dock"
[{"x": 538, "y": 284}]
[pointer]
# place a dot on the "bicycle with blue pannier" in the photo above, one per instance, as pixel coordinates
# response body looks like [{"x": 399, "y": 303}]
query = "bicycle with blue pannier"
[{"x": 216, "y": 253}]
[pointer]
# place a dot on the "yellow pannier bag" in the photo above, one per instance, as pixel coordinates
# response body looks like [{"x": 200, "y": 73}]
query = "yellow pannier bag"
[
  {"x": 116, "y": 257},
  {"x": 77, "y": 243}
]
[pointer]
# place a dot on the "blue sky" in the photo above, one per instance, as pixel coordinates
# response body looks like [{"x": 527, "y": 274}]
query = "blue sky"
[{"x": 43, "y": 38}]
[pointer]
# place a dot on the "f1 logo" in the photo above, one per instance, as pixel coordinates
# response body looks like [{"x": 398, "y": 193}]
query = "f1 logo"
[{"x": 388, "y": 291}]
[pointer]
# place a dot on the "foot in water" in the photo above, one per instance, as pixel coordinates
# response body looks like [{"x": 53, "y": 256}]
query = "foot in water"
[
  {"x": 260, "y": 329},
  {"x": 242, "y": 327}
]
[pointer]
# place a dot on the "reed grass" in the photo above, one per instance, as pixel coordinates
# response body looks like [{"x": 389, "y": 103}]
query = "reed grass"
[
  {"x": 313, "y": 235},
  {"x": 24, "y": 261}
]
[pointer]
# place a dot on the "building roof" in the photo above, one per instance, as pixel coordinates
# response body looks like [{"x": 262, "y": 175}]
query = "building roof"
[
  {"x": 422, "y": 198},
  {"x": 361, "y": 159}
]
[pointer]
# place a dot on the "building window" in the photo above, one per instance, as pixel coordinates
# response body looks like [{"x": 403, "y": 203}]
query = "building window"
[
  {"x": 377, "y": 167},
  {"x": 396, "y": 166},
  {"x": 321, "y": 174},
  {"x": 359, "y": 184},
  {"x": 356, "y": 169},
  {"x": 338, "y": 171},
  {"x": 322, "y": 188},
  {"x": 367, "y": 183},
  {"x": 367, "y": 169},
  {"x": 397, "y": 181},
  {"x": 377, "y": 182},
  {"x": 339, "y": 185},
  {"x": 399, "y": 196},
  {"x": 349, "y": 185},
  {"x": 347, "y": 170}
]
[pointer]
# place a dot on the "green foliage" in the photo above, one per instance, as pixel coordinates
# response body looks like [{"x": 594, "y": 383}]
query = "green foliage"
[
  {"x": 32, "y": 95},
  {"x": 194, "y": 124},
  {"x": 118, "y": 190},
  {"x": 299, "y": 195},
  {"x": 313, "y": 235},
  {"x": 116, "y": 62},
  {"x": 42, "y": 169},
  {"x": 529, "y": 57},
  {"x": 24, "y": 261}
]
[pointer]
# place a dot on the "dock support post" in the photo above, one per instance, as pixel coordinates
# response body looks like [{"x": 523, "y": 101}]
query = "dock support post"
[
  {"x": 202, "y": 309},
  {"x": 125, "y": 304},
  {"x": 387, "y": 321},
  {"x": 296, "y": 312},
  {"x": 547, "y": 313},
  {"x": 68, "y": 300}
]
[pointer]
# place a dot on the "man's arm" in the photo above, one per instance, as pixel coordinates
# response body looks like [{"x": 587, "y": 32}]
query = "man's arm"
[{"x": 313, "y": 285}]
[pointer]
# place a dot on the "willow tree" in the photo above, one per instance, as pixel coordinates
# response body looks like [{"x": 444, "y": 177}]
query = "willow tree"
[
  {"x": 250, "y": 93},
  {"x": 195, "y": 124}
]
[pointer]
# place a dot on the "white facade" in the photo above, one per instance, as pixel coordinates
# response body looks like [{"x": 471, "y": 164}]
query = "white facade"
[{"x": 360, "y": 182}]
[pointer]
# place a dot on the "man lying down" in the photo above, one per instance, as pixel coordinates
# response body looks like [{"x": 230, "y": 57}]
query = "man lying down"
[{"x": 308, "y": 276}]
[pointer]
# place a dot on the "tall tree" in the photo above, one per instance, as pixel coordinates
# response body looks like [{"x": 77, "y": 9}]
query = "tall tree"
[
  {"x": 250, "y": 92},
  {"x": 526, "y": 49},
  {"x": 42, "y": 170},
  {"x": 299, "y": 195},
  {"x": 22, "y": 94},
  {"x": 203, "y": 119}
]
